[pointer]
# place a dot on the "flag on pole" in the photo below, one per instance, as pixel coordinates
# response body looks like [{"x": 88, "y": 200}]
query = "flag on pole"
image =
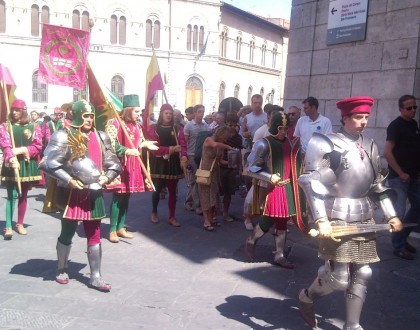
[
  {"x": 153, "y": 84},
  {"x": 7, "y": 89},
  {"x": 63, "y": 56},
  {"x": 203, "y": 49},
  {"x": 105, "y": 102}
]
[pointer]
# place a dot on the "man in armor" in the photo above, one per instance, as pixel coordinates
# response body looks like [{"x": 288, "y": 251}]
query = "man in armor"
[
  {"x": 342, "y": 178},
  {"x": 275, "y": 162},
  {"x": 82, "y": 160}
]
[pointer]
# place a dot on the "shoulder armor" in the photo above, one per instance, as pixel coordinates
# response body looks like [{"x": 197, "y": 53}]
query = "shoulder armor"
[
  {"x": 258, "y": 157},
  {"x": 318, "y": 146},
  {"x": 105, "y": 139},
  {"x": 58, "y": 141}
]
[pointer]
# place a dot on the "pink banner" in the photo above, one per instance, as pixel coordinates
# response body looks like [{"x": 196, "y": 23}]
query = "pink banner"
[
  {"x": 7, "y": 89},
  {"x": 63, "y": 55}
]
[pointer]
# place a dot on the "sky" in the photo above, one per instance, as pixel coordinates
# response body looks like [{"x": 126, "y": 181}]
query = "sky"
[{"x": 266, "y": 8}]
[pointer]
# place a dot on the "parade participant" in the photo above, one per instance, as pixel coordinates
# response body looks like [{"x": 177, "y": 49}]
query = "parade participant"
[
  {"x": 21, "y": 142},
  {"x": 342, "y": 178},
  {"x": 127, "y": 141},
  {"x": 82, "y": 160},
  {"x": 169, "y": 162},
  {"x": 66, "y": 108},
  {"x": 57, "y": 121},
  {"x": 275, "y": 162},
  {"x": 35, "y": 117}
]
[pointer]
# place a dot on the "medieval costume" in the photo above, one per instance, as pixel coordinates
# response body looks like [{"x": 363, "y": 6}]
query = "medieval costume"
[
  {"x": 21, "y": 142},
  {"x": 82, "y": 160},
  {"x": 168, "y": 162},
  {"x": 275, "y": 162},
  {"x": 127, "y": 138},
  {"x": 342, "y": 178}
]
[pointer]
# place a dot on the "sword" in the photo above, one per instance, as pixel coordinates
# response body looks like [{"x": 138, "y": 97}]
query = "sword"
[{"x": 339, "y": 231}]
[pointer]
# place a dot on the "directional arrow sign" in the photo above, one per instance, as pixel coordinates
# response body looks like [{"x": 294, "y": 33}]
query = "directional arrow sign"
[{"x": 333, "y": 10}]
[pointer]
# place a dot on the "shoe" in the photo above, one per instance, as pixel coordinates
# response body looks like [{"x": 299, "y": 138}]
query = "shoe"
[
  {"x": 228, "y": 218},
  {"x": 21, "y": 229},
  {"x": 100, "y": 285},
  {"x": 62, "y": 278},
  {"x": 216, "y": 223},
  {"x": 154, "y": 218},
  {"x": 283, "y": 262},
  {"x": 208, "y": 227},
  {"x": 403, "y": 254},
  {"x": 174, "y": 222},
  {"x": 124, "y": 234},
  {"x": 113, "y": 237},
  {"x": 410, "y": 248},
  {"x": 306, "y": 309},
  {"x": 8, "y": 233},
  {"x": 248, "y": 225}
]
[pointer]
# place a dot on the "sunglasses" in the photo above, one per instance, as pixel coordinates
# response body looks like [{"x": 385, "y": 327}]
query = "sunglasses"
[{"x": 414, "y": 107}]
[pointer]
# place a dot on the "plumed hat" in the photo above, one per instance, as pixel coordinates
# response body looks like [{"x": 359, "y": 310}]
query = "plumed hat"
[
  {"x": 351, "y": 105},
  {"x": 79, "y": 109},
  {"x": 279, "y": 119},
  {"x": 18, "y": 104},
  {"x": 131, "y": 100},
  {"x": 166, "y": 106}
]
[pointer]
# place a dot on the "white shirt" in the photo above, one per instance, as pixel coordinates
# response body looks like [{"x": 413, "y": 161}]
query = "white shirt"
[
  {"x": 262, "y": 132},
  {"x": 305, "y": 128}
]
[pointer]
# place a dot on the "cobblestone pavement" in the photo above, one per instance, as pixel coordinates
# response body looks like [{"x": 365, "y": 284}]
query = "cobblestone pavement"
[{"x": 184, "y": 278}]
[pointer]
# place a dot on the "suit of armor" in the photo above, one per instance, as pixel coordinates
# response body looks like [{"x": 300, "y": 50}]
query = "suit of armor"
[{"x": 342, "y": 178}]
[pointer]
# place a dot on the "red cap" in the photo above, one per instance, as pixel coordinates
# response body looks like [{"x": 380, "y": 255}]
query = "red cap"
[
  {"x": 18, "y": 104},
  {"x": 166, "y": 106},
  {"x": 358, "y": 104},
  {"x": 58, "y": 110}
]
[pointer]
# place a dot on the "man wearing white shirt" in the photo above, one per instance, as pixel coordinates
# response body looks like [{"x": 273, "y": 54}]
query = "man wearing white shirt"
[{"x": 312, "y": 122}]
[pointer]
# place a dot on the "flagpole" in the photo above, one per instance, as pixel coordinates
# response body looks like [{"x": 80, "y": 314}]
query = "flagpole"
[{"x": 16, "y": 170}]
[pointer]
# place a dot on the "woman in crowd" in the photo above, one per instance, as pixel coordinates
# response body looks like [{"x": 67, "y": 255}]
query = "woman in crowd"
[
  {"x": 213, "y": 148},
  {"x": 127, "y": 138},
  {"x": 21, "y": 142},
  {"x": 169, "y": 162}
]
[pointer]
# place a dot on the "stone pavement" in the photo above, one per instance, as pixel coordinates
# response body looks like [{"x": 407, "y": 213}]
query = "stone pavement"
[{"x": 184, "y": 278}]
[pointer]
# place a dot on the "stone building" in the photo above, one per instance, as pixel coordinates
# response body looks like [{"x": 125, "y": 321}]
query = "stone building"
[
  {"x": 207, "y": 50},
  {"x": 385, "y": 65}
]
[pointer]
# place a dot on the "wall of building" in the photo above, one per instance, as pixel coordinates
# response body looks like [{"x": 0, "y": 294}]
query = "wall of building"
[{"x": 385, "y": 66}]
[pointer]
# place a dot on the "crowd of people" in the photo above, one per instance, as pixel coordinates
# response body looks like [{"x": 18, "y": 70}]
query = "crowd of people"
[{"x": 293, "y": 168}]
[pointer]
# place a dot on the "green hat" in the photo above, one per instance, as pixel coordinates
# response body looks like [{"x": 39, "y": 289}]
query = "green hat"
[
  {"x": 279, "y": 119},
  {"x": 131, "y": 100},
  {"x": 79, "y": 109}
]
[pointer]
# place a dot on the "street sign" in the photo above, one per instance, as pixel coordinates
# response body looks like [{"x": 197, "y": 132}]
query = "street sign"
[{"x": 346, "y": 21}]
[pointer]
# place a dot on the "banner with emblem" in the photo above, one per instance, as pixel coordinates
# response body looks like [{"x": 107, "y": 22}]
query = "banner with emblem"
[
  {"x": 63, "y": 56},
  {"x": 7, "y": 89}
]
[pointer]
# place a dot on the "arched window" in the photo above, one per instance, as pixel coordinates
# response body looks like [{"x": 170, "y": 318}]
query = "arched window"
[
  {"x": 201, "y": 39},
  {"x": 152, "y": 32},
  {"x": 274, "y": 60},
  {"x": 2, "y": 16},
  {"x": 262, "y": 92},
  {"x": 224, "y": 39},
  {"x": 189, "y": 37},
  {"x": 45, "y": 14},
  {"x": 80, "y": 94},
  {"x": 263, "y": 52},
  {"x": 251, "y": 51},
  {"x": 35, "y": 20},
  {"x": 113, "y": 29},
  {"x": 238, "y": 47},
  {"x": 39, "y": 90},
  {"x": 76, "y": 19},
  {"x": 236, "y": 92},
  {"x": 118, "y": 30},
  {"x": 195, "y": 38},
  {"x": 117, "y": 86},
  {"x": 272, "y": 96},
  {"x": 249, "y": 95},
  {"x": 222, "y": 90},
  {"x": 85, "y": 21},
  {"x": 193, "y": 92}
]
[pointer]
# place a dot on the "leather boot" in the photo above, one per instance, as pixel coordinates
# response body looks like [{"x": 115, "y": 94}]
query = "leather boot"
[
  {"x": 252, "y": 241},
  {"x": 279, "y": 257},
  {"x": 63, "y": 252},
  {"x": 96, "y": 281}
]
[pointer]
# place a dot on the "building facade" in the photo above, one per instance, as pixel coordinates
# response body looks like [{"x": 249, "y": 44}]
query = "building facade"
[
  {"x": 386, "y": 65},
  {"x": 207, "y": 50}
]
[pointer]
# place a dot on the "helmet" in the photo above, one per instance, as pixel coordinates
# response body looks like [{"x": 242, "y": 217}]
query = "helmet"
[
  {"x": 279, "y": 119},
  {"x": 79, "y": 109}
]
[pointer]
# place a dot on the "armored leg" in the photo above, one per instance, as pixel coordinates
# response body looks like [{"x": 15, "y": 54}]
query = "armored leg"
[
  {"x": 279, "y": 255},
  {"x": 63, "y": 252},
  {"x": 252, "y": 241},
  {"x": 94, "y": 253},
  {"x": 356, "y": 294},
  {"x": 331, "y": 277}
]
